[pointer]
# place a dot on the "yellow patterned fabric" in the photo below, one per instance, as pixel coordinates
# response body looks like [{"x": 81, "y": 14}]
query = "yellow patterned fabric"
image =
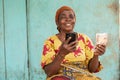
[{"x": 80, "y": 57}]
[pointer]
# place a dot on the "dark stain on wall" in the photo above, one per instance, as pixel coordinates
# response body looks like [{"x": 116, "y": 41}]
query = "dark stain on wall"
[{"x": 115, "y": 9}]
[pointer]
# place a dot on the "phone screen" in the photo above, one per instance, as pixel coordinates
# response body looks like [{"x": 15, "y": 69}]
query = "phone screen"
[{"x": 72, "y": 35}]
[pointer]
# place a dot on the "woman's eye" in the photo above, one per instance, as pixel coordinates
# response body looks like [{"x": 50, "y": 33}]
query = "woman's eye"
[
  {"x": 71, "y": 16},
  {"x": 63, "y": 17}
]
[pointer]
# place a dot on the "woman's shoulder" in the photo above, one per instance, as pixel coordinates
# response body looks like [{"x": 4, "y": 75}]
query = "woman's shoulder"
[
  {"x": 51, "y": 38},
  {"x": 81, "y": 34}
]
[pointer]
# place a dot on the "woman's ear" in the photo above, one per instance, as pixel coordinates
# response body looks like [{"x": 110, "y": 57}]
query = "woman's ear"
[
  {"x": 57, "y": 23},
  {"x": 58, "y": 28}
]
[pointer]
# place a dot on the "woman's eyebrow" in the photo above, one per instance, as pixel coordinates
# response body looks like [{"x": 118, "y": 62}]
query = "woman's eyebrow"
[{"x": 62, "y": 14}]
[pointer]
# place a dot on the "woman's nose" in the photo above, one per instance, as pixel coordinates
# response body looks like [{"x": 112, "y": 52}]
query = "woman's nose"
[{"x": 68, "y": 19}]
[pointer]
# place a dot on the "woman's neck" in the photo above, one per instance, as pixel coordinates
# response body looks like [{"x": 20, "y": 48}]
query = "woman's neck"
[{"x": 61, "y": 35}]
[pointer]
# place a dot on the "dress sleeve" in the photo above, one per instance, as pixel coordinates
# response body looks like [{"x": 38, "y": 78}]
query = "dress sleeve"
[
  {"x": 48, "y": 52},
  {"x": 89, "y": 52}
]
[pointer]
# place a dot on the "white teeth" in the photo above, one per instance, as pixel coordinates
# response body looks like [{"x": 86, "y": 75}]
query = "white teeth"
[{"x": 68, "y": 24}]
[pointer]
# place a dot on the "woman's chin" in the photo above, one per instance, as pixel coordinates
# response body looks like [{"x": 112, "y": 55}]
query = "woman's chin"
[{"x": 69, "y": 30}]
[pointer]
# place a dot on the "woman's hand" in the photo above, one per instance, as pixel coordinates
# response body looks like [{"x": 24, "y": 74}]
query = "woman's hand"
[
  {"x": 94, "y": 62},
  {"x": 99, "y": 49},
  {"x": 67, "y": 47}
]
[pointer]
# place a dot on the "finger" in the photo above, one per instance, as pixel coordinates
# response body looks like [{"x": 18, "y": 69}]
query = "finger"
[
  {"x": 73, "y": 43},
  {"x": 101, "y": 45},
  {"x": 72, "y": 48},
  {"x": 102, "y": 48},
  {"x": 99, "y": 51},
  {"x": 67, "y": 41}
]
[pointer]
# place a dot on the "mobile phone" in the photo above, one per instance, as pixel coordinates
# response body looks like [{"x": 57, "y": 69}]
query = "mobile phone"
[{"x": 72, "y": 35}]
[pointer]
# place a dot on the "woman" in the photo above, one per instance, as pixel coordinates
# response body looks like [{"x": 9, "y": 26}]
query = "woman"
[{"x": 62, "y": 60}]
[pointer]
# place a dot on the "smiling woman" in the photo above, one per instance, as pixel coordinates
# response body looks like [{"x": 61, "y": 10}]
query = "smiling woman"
[
  {"x": 65, "y": 17},
  {"x": 75, "y": 60},
  {"x": 66, "y": 21}
]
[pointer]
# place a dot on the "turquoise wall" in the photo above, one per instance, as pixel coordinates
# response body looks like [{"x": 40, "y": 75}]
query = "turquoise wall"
[{"x": 25, "y": 24}]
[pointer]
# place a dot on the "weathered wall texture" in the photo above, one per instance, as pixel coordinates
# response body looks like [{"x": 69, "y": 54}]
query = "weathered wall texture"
[{"x": 25, "y": 24}]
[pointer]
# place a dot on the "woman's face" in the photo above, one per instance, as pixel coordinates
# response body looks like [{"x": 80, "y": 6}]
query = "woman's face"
[{"x": 66, "y": 21}]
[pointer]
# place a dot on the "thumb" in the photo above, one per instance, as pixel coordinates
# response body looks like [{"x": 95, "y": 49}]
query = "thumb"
[{"x": 67, "y": 41}]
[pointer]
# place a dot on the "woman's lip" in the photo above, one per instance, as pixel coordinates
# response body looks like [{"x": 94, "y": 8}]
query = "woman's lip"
[{"x": 68, "y": 24}]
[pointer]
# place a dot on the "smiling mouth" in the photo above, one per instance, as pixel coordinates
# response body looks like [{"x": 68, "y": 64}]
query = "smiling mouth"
[{"x": 68, "y": 24}]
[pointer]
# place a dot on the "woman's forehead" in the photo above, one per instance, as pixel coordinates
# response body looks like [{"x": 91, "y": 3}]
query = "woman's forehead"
[{"x": 67, "y": 11}]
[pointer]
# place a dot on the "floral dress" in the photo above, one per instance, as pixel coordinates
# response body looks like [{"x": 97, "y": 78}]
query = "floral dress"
[{"x": 75, "y": 64}]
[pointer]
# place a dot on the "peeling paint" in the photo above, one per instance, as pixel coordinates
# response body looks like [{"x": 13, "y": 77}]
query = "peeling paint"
[{"x": 114, "y": 7}]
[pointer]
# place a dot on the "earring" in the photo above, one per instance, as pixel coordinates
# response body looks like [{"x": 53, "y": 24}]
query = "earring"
[{"x": 58, "y": 28}]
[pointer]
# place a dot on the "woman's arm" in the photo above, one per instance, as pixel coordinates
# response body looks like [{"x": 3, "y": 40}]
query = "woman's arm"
[
  {"x": 94, "y": 62},
  {"x": 65, "y": 49},
  {"x": 54, "y": 67}
]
